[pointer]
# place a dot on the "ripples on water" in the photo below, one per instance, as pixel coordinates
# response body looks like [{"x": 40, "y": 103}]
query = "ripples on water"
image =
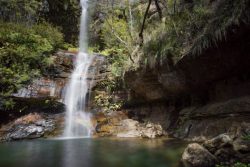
[{"x": 92, "y": 153}]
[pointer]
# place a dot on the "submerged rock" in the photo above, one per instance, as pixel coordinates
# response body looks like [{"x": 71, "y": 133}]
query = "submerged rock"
[{"x": 196, "y": 155}]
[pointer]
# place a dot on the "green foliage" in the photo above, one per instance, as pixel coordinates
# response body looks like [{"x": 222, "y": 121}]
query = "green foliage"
[
  {"x": 117, "y": 25},
  {"x": 20, "y": 10},
  {"x": 50, "y": 33},
  {"x": 175, "y": 31},
  {"x": 225, "y": 15},
  {"x": 107, "y": 103},
  {"x": 64, "y": 14},
  {"x": 24, "y": 54},
  {"x": 117, "y": 45},
  {"x": 118, "y": 42},
  {"x": 186, "y": 28},
  {"x": 117, "y": 59},
  {"x": 106, "y": 94},
  {"x": 61, "y": 13},
  {"x": 246, "y": 137}
]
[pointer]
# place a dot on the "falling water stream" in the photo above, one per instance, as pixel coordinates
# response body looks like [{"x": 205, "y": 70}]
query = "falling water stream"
[
  {"x": 78, "y": 121},
  {"x": 131, "y": 15}
]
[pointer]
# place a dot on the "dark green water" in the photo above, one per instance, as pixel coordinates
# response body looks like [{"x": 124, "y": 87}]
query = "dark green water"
[{"x": 92, "y": 153}]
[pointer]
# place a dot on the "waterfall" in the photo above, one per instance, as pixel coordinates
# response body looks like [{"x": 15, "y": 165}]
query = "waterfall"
[
  {"x": 131, "y": 16},
  {"x": 78, "y": 121}
]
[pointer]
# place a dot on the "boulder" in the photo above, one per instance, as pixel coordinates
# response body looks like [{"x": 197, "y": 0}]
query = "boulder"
[
  {"x": 25, "y": 132},
  {"x": 30, "y": 126},
  {"x": 227, "y": 155},
  {"x": 223, "y": 149},
  {"x": 132, "y": 128},
  {"x": 196, "y": 155},
  {"x": 30, "y": 130},
  {"x": 151, "y": 131},
  {"x": 218, "y": 142},
  {"x": 129, "y": 128},
  {"x": 242, "y": 145}
]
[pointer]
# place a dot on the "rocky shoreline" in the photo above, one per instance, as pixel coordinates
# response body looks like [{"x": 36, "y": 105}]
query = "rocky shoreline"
[{"x": 222, "y": 150}]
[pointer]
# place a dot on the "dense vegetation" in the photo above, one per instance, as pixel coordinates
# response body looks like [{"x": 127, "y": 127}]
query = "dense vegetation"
[
  {"x": 27, "y": 40},
  {"x": 24, "y": 54},
  {"x": 168, "y": 29}
]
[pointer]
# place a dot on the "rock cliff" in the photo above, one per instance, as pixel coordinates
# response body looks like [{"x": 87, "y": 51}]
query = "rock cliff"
[{"x": 198, "y": 97}]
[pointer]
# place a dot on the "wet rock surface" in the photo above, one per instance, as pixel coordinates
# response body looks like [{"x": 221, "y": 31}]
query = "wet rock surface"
[
  {"x": 31, "y": 126},
  {"x": 32, "y": 118}
]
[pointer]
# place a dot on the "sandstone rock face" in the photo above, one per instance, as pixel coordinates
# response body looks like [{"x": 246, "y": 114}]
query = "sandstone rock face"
[
  {"x": 213, "y": 119},
  {"x": 154, "y": 85},
  {"x": 173, "y": 82},
  {"x": 44, "y": 87},
  {"x": 196, "y": 155},
  {"x": 53, "y": 84},
  {"x": 107, "y": 125},
  {"x": 120, "y": 126},
  {"x": 132, "y": 128},
  {"x": 145, "y": 85},
  {"x": 129, "y": 128},
  {"x": 197, "y": 123}
]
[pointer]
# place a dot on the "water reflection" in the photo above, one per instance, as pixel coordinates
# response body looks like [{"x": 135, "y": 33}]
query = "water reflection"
[
  {"x": 91, "y": 153},
  {"x": 77, "y": 153}
]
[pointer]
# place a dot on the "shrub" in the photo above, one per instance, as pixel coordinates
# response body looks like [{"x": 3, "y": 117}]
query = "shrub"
[{"x": 25, "y": 53}]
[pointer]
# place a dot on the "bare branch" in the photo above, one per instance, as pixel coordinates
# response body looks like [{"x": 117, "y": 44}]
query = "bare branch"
[
  {"x": 158, "y": 8},
  {"x": 144, "y": 20}
]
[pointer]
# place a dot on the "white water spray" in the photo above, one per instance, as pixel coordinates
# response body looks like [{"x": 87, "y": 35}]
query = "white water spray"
[
  {"x": 131, "y": 16},
  {"x": 78, "y": 121}
]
